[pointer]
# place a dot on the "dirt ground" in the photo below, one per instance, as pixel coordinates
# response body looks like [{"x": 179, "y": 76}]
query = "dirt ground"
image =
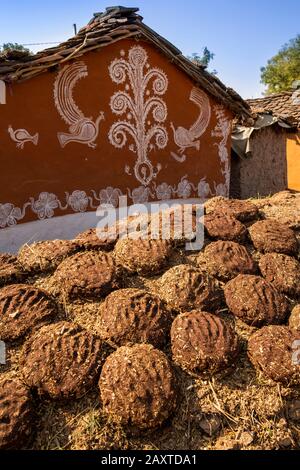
[{"x": 236, "y": 409}]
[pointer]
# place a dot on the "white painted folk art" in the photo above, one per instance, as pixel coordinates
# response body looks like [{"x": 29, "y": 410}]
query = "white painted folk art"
[
  {"x": 79, "y": 201},
  {"x": 186, "y": 138},
  {"x": 222, "y": 131},
  {"x": 144, "y": 113},
  {"x": 137, "y": 100},
  {"x": 21, "y": 136},
  {"x": 82, "y": 130}
]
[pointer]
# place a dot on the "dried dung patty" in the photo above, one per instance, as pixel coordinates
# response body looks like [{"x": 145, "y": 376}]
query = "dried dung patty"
[
  {"x": 93, "y": 240},
  {"x": 225, "y": 260},
  {"x": 46, "y": 255},
  {"x": 11, "y": 270},
  {"x": 137, "y": 386},
  {"x": 284, "y": 207},
  {"x": 255, "y": 301},
  {"x": 273, "y": 350},
  {"x": 61, "y": 361},
  {"x": 203, "y": 342},
  {"x": 282, "y": 271},
  {"x": 185, "y": 287},
  {"x": 22, "y": 309},
  {"x": 224, "y": 227},
  {"x": 134, "y": 316},
  {"x": 88, "y": 274},
  {"x": 16, "y": 414},
  {"x": 241, "y": 210},
  {"x": 271, "y": 236},
  {"x": 294, "y": 320},
  {"x": 104, "y": 238},
  {"x": 141, "y": 256},
  {"x": 178, "y": 223}
]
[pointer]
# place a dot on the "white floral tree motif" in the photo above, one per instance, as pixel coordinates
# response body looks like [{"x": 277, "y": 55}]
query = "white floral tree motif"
[
  {"x": 222, "y": 130},
  {"x": 145, "y": 135}
]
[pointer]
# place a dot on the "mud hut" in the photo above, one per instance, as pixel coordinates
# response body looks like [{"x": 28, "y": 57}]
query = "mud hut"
[
  {"x": 266, "y": 154},
  {"x": 115, "y": 110}
]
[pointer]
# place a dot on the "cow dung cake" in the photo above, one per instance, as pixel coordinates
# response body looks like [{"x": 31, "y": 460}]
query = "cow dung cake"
[
  {"x": 133, "y": 316},
  {"x": 94, "y": 240},
  {"x": 22, "y": 309},
  {"x": 241, "y": 210},
  {"x": 143, "y": 256},
  {"x": 294, "y": 320},
  {"x": 61, "y": 361},
  {"x": 178, "y": 223},
  {"x": 282, "y": 271},
  {"x": 225, "y": 260},
  {"x": 202, "y": 342},
  {"x": 255, "y": 301},
  {"x": 186, "y": 287},
  {"x": 89, "y": 274},
  {"x": 271, "y": 236},
  {"x": 11, "y": 270},
  {"x": 16, "y": 414},
  {"x": 137, "y": 386},
  {"x": 273, "y": 350},
  {"x": 45, "y": 255},
  {"x": 224, "y": 227}
]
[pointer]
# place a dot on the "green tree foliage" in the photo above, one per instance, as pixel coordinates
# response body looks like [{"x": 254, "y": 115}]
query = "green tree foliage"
[
  {"x": 283, "y": 69},
  {"x": 203, "y": 59},
  {"x": 10, "y": 46}
]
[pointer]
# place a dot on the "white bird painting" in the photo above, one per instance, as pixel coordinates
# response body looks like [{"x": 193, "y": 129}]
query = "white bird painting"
[
  {"x": 186, "y": 138},
  {"x": 82, "y": 130},
  {"x": 21, "y": 136}
]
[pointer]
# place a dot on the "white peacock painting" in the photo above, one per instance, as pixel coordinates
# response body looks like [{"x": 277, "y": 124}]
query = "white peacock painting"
[
  {"x": 144, "y": 88},
  {"x": 82, "y": 130},
  {"x": 186, "y": 138}
]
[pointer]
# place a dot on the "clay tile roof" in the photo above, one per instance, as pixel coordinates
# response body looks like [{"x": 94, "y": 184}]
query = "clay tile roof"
[
  {"x": 281, "y": 105},
  {"x": 106, "y": 28}
]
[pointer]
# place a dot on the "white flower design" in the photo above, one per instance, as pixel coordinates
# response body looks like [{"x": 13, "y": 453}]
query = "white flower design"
[
  {"x": 110, "y": 196},
  {"x": 221, "y": 190},
  {"x": 185, "y": 188},
  {"x": 140, "y": 195},
  {"x": 9, "y": 214},
  {"x": 203, "y": 189},
  {"x": 45, "y": 205},
  {"x": 164, "y": 191},
  {"x": 78, "y": 200}
]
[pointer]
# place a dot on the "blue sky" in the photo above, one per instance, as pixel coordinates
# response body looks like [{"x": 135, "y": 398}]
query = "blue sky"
[{"x": 242, "y": 34}]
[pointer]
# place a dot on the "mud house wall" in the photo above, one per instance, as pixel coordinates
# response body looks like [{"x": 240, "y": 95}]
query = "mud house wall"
[
  {"x": 76, "y": 137},
  {"x": 265, "y": 172},
  {"x": 293, "y": 161}
]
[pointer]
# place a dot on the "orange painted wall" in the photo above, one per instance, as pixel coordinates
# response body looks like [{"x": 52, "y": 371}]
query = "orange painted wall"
[
  {"x": 27, "y": 172},
  {"x": 293, "y": 161}
]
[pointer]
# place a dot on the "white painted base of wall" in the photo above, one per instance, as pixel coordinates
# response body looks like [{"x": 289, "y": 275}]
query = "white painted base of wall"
[{"x": 65, "y": 227}]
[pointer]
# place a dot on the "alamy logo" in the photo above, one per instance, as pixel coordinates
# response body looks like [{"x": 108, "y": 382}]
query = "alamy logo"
[
  {"x": 2, "y": 353},
  {"x": 296, "y": 353},
  {"x": 153, "y": 221}
]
